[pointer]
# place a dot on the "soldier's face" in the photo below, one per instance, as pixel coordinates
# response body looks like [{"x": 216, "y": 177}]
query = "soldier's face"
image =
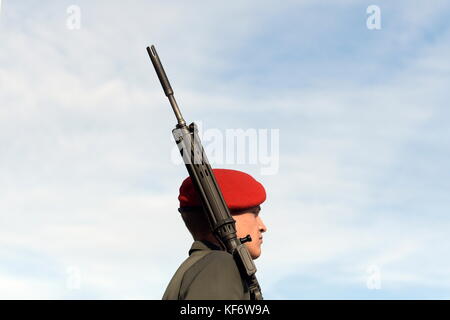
[{"x": 249, "y": 222}]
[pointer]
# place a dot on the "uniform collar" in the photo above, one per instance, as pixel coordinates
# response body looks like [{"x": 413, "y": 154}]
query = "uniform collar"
[{"x": 203, "y": 245}]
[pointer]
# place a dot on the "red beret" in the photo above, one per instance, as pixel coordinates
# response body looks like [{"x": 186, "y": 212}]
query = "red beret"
[{"x": 240, "y": 190}]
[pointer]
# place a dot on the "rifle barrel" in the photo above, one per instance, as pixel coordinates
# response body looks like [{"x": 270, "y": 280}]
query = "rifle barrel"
[{"x": 165, "y": 84}]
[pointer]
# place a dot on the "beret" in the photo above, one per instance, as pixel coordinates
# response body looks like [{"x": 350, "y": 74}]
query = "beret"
[{"x": 240, "y": 190}]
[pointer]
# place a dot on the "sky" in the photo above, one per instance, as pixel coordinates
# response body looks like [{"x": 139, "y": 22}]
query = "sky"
[{"x": 358, "y": 118}]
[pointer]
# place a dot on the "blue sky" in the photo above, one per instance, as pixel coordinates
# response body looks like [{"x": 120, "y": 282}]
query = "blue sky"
[{"x": 86, "y": 178}]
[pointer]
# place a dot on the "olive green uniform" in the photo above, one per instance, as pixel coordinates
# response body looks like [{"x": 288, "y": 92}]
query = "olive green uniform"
[{"x": 207, "y": 274}]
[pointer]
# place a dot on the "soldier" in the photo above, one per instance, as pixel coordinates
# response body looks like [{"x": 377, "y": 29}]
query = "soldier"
[{"x": 210, "y": 273}]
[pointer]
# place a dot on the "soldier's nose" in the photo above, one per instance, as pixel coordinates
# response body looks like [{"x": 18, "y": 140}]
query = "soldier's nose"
[{"x": 262, "y": 226}]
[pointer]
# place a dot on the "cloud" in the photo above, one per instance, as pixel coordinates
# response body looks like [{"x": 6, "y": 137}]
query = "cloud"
[{"x": 86, "y": 179}]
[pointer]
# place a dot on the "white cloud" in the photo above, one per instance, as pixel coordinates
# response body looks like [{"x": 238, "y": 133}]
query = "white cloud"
[{"x": 86, "y": 177}]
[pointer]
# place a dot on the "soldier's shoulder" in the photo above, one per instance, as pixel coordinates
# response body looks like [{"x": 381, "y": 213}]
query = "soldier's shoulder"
[
  {"x": 215, "y": 276},
  {"x": 217, "y": 263}
]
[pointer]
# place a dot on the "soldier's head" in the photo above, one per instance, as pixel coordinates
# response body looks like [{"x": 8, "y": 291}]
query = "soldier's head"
[{"x": 243, "y": 195}]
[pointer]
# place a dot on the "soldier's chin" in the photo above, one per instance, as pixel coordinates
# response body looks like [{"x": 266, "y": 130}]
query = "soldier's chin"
[{"x": 255, "y": 254}]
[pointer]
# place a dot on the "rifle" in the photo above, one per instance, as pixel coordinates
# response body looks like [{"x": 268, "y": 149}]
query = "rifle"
[{"x": 222, "y": 223}]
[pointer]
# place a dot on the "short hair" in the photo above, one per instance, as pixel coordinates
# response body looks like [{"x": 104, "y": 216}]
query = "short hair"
[{"x": 196, "y": 221}]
